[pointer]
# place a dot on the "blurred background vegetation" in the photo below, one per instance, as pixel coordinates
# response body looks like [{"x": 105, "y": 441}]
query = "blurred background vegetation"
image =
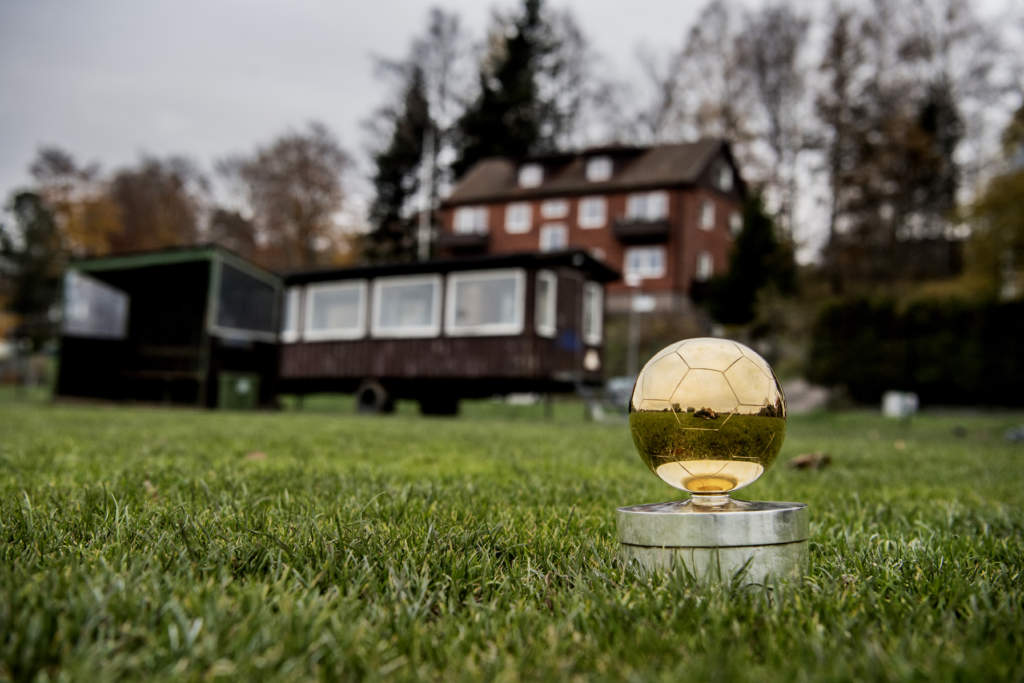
[{"x": 883, "y": 142}]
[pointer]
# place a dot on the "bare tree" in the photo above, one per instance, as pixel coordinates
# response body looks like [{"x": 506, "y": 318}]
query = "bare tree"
[
  {"x": 773, "y": 38},
  {"x": 293, "y": 189},
  {"x": 86, "y": 215},
  {"x": 160, "y": 203},
  {"x": 715, "y": 76}
]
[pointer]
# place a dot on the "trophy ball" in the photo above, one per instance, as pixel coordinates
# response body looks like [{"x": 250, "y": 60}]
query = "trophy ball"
[{"x": 707, "y": 416}]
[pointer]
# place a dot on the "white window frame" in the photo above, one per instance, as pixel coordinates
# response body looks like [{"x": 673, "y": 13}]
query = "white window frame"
[
  {"x": 707, "y": 215},
  {"x": 357, "y": 332},
  {"x": 641, "y": 206},
  {"x": 593, "y": 295},
  {"x": 530, "y": 175},
  {"x": 548, "y": 229},
  {"x": 293, "y": 301},
  {"x": 470, "y": 220},
  {"x": 547, "y": 310},
  {"x": 705, "y": 268},
  {"x": 585, "y": 220},
  {"x": 735, "y": 223},
  {"x": 453, "y": 329},
  {"x": 646, "y": 274},
  {"x": 554, "y": 208},
  {"x": 598, "y": 169},
  {"x": 431, "y": 329},
  {"x": 518, "y": 220}
]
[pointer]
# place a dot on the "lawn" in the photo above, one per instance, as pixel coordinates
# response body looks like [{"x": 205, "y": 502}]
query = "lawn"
[{"x": 168, "y": 544}]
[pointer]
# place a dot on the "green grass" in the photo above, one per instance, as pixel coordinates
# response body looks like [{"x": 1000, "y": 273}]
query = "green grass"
[{"x": 143, "y": 544}]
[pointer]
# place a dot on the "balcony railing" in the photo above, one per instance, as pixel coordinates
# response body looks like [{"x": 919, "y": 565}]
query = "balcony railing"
[
  {"x": 464, "y": 242},
  {"x": 640, "y": 231}
]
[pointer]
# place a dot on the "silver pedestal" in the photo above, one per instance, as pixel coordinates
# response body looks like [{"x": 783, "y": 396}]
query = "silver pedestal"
[{"x": 754, "y": 542}]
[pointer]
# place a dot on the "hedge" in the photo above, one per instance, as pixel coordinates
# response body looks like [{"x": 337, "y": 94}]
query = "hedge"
[{"x": 950, "y": 352}]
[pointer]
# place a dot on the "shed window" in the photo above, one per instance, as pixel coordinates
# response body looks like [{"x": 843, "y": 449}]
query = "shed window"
[
  {"x": 335, "y": 310},
  {"x": 554, "y": 208},
  {"x": 517, "y": 217},
  {"x": 553, "y": 236},
  {"x": 407, "y": 306},
  {"x": 471, "y": 220},
  {"x": 598, "y": 169},
  {"x": 246, "y": 305},
  {"x": 93, "y": 308},
  {"x": 644, "y": 263},
  {"x": 531, "y": 175},
  {"x": 485, "y": 302},
  {"x": 707, "y": 214},
  {"x": 593, "y": 312},
  {"x": 647, "y": 206},
  {"x": 290, "y": 320},
  {"x": 705, "y": 266},
  {"x": 546, "y": 303},
  {"x": 592, "y": 212}
]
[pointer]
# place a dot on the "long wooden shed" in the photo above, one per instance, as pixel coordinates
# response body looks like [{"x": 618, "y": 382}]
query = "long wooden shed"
[{"x": 439, "y": 331}]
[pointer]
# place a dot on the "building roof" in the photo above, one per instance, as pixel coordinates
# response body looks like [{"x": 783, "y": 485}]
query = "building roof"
[
  {"x": 576, "y": 258},
  {"x": 204, "y": 251},
  {"x": 634, "y": 168}
]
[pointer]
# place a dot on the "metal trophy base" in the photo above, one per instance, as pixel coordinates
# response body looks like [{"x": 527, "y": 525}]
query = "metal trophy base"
[{"x": 756, "y": 542}]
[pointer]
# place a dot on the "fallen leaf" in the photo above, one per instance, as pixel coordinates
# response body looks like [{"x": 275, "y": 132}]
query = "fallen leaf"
[
  {"x": 811, "y": 461},
  {"x": 256, "y": 455}
]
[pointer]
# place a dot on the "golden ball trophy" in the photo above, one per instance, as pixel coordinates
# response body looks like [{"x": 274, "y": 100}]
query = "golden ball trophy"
[{"x": 708, "y": 417}]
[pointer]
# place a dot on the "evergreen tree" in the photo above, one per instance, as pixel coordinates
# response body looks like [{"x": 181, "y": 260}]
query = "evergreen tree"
[
  {"x": 759, "y": 259},
  {"x": 507, "y": 118},
  {"x": 396, "y": 180},
  {"x": 34, "y": 250}
]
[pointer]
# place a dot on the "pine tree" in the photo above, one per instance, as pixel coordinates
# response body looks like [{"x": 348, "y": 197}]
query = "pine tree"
[
  {"x": 397, "y": 176},
  {"x": 507, "y": 119},
  {"x": 35, "y": 252},
  {"x": 759, "y": 259}
]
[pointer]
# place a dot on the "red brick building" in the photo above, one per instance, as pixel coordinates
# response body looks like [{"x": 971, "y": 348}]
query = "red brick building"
[{"x": 664, "y": 216}]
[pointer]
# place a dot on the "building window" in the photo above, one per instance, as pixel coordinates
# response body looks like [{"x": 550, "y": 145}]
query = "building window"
[
  {"x": 246, "y": 305},
  {"x": 545, "y": 303},
  {"x": 707, "y": 214},
  {"x": 531, "y": 175},
  {"x": 553, "y": 236},
  {"x": 407, "y": 306},
  {"x": 93, "y": 308},
  {"x": 647, "y": 206},
  {"x": 554, "y": 208},
  {"x": 471, "y": 220},
  {"x": 735, "y": 223},
  {"x": 335, "y": 310},
  {"x": 725, "y": 180},
  {"x": 592, "y": 212},
  {"x": 644, "y": 263},
  {"x": 290, "y": 321},
  {"x": 517, "y": 218},
  {"x": 485, "y": 302},
  {"x": 593, "y": 312},
  {"x": 705, "y": 266},
  {"x": 598, "y": 169}
]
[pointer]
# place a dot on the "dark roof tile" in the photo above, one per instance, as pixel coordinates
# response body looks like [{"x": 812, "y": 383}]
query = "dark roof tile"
[{"x": 495, "y": 179}]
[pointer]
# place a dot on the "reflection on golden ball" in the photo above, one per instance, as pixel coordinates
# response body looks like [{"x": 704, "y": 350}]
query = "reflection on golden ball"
[{"x": 707, "y": 415}]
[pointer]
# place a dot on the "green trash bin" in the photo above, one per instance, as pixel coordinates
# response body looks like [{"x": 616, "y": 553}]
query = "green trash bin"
[{"x": 238, "y": 390}]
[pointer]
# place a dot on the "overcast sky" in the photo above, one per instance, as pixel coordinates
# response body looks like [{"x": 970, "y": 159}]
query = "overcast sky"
[{"x": 110, "y": 79}]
